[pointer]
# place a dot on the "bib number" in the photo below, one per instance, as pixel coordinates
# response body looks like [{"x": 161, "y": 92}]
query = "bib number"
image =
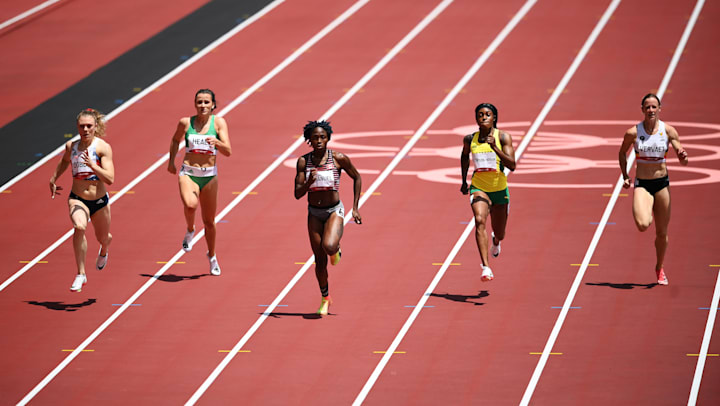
[
  {"x": 324, "y": 180},
  {"x": 485, "y": 161}
]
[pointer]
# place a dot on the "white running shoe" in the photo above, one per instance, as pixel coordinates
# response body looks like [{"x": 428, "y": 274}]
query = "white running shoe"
[
  {"x": 187, "y": 241},
  {"x": 214, "y": 266},
  {"x": 101, "y": 260},
  {"x": 495, "y": 249},
  {"x": 487, "y": 274},
  {"x": 79, "y": 281}
]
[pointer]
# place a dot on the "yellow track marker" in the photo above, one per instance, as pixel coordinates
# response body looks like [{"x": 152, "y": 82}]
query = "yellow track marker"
[
  {"x": 581, "y": 264},
  {"x": 137, "y": 89},
  {"x": 697, "y": 355},
  {"x": 250, "y": 193},
  {"x": 394, "y": 352},
  {"x": 610, "y": 194},
  {"x": 7, "y": 191},
  {"x": 373, "y": 193},
  {"x": 27, "y": 262},
  {"x": 68, "y": 135},
  {"x": 714, "y": 266},
  {"x": 129, "y": 192},
  {"x": 165, "y": 262},
  {"x": 347, "y": 89},
  {"x": 80, "y": 351},
  {"x": 452, "y": 263},
  {"x": 552, "y": 353},
  {"x": 302, "y": 263},
  {"x": 230, "y": 350},
  {"x": 423, "y": 137}
]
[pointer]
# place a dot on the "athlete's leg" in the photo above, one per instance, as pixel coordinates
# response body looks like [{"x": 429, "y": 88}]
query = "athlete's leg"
[
  {"x": 481, "y": 207},
  {"x": 315, "y": 231},
  {"x": 661, "y": 210},
  {"x": 101, "y": 225},
  {"x": 332, "y": 233},
  {"x": 79, "y": 215},
  {"x": 208, "y": 206},
  {"x": 498, "y": 219},
  {"x": 189, "y": 194},
  {"x": 642, "y": 208}
]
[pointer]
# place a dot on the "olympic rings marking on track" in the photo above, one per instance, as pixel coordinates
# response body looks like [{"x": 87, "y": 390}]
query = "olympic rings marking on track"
[{"x": 538, "y": 160}]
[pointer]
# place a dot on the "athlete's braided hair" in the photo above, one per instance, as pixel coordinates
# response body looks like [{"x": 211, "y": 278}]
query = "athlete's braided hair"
[
  {"x": 649, "y": 95},
  {"x": 492, "y": 108},
  {"x": 312, "y": 125},
  {"x": 99, "y": 120}
]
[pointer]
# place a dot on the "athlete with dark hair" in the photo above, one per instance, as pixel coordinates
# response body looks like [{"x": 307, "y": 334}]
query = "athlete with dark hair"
[
  {"x": 205, "y": 134},
  {"x": 318, "y": 175},
  {"x": 651, "y": 196},
  {"x": 492, "y": 151}
]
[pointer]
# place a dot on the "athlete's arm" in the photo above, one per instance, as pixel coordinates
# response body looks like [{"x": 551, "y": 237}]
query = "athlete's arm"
[
  {"x": 175, "y": 142},
  {"x": 347, "y": 165},
  {"x": 106, "y": 170},
  {"x": 675, "y": 141},
  {"x": 222, "y": 144},
  {"x": 465, "y": 163},
  {"x": 302, "y": 185},
  {"x": 628, "y": 140},
  {"x": 61, "y": 167},
  {"x": 507, "y": 153}
]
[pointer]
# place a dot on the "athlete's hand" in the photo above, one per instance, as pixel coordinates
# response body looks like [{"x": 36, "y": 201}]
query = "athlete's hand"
[
  {"x": 626, "y": 183},
  {"x": 54, "y": 189},
  {"x": 490, "y": 139},
  {"x": 356, "y": 216},
  {"x": 464, "y": 188},
  {"x": 311, "y": 177},
  {"x": 683, "y": 156},
  {"x": 212, "y": 141},
  {"x": 171, "y": 167},
  {"x": 86, "y": 159}
]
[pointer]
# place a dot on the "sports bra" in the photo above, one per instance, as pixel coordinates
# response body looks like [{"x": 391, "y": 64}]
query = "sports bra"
[
  {"x": 327, "y": 175},
  {"x": 197, "y": 143},
  {"x": 80, "y": 170},
  {"x": 651, "y": 148}
]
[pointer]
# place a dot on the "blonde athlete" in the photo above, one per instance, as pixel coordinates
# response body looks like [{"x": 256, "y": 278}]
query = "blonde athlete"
[
  {"x": 492, "y": 151},
  {"x": 651, "y": 196},
  {"x": 205, "y": 134},
  {"x": 92, "y": 168}
]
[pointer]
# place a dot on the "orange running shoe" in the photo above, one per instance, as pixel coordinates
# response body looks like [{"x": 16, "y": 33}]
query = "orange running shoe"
[
  {"x": 324, "y": 306},
  {"x": 662, "y": 279}
]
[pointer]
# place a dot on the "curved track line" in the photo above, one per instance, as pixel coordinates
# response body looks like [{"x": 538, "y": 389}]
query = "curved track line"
[
  {"x": 368, "y": 193},
  {"x": 243, "y": 96},
  {"x": 601, "y": 226},
  {"x": 27, "y": 13},
  {"x": 152, "y": 87},
  {"x": 468, "y": 229}
]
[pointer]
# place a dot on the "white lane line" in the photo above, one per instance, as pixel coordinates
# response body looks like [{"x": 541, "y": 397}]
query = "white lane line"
[
  {"x": 261, "y": 82},
  {"x": 697, "y": 378},
  {"x": 600, "y": 228},
  {"x": 468, "y": 229},
  {"x": 152, "y": 87},
  {"x": 179, "y": 254},
  {"x": 396, "y": 49},
  {"x": 27, "y": 13}
]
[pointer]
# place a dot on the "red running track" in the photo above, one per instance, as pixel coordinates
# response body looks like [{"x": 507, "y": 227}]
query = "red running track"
[{"x": 474, "y": 345}]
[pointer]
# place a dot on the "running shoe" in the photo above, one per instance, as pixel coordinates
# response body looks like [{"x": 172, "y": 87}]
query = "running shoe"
[
  {"x": 495, "y": 249},
  {"x": 324, "y": 306},
  {"x": 101, "y": 260},
  {"x": 662, "y": 279},
  {"x": 334, "y": 259},
  {"x": 487, "y": 274},
  {"x": 214, "y": 267},
  {"x": 187, "y": 241},
  {"x": 79, "y": 281}
]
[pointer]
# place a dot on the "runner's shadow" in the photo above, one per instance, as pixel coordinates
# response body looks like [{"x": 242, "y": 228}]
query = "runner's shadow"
[
  {"x": 174, "y": 278},
  {"x": 463, "y": 298},
  {"x": 306, "y": 316},
  {"x": 625, "y": 286},
  {"x": 68, "y": 307}
]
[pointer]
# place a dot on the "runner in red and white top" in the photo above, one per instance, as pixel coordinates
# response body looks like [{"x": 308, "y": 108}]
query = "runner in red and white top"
[
  {"x": 92, "y": 168},
  {"x": 651, "y": 196},
  {"x": 318, "y": 176}
]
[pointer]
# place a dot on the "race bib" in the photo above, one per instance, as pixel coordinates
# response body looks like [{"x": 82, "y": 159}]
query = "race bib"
[
  {"x": 324, "y": 180},
  {"x": 485, "y": 161}
]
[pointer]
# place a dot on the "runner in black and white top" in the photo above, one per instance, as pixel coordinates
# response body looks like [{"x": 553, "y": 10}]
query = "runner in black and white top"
[
  {"x": 318, "y": 175},
  {"x": 651, "y": 197},
  {"x": 92, "y": 168}
]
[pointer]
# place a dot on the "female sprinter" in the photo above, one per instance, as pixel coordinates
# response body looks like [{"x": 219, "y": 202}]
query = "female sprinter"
[
  {"x": 492, "y": 151},
  {"x": 205, "y": 134},
  {"x": 651, "y": 196},
  {"x": 318, "y": 175},
  {"x": 92, "y": 168}
]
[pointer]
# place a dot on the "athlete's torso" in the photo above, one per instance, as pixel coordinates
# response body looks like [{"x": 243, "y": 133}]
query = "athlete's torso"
[
  {"x": 197, "y": 143},
  {"x": 651, "y": 148},
  {"x": 327, "y": 175},
  {"x": 80, "y": 170},
  {"x": 489, "y": 175}
]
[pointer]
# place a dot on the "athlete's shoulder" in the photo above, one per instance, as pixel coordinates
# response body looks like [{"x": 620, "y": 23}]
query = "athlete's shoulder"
[{"x": 468, "y": 138}]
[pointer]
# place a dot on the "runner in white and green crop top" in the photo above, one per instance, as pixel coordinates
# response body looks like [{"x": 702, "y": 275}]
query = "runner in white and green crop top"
[
  {"x": 492, "y": 151},
  {"x": 205, "y": 134}
]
